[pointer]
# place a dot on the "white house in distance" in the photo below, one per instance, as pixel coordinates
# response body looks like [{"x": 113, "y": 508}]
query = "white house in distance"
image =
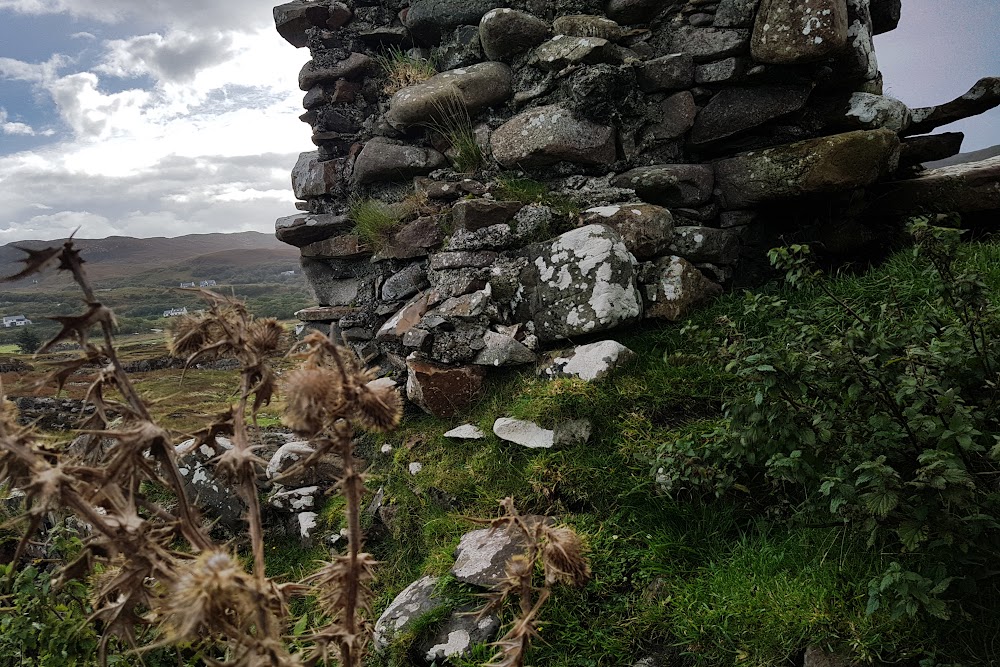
[
  {"x": 207, "y": 283},
  {"x": 15, "y": 321},
  {"x": 175, "y": 312}
]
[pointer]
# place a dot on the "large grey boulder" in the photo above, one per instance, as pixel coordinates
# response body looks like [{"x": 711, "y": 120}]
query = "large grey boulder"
[
  {"x": 735, "y": 110},
  {"x": 428, "y": 20},
  {"x": 469, "y": 88},
  {"x": 312, "y": 178},
  {"x": 829, "y": 164},
  {"x": 646, "y": 229},
  {"x": 789, "y": 32},
  {"x": 550, "y": 134},
  {"x": 503, "y": 350},
  {"x": 982, "y": 97},
  {"x": 578, "y": 283},
  {"x": 673, "y": 287},
  {"x": 680, "y": 185},
  {"x": 508, "y": 33},
  {"x": 381, "y": 160}
]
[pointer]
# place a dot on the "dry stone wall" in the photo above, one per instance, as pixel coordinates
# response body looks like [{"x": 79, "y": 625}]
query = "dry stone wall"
[{"x": 570, "y": 167}]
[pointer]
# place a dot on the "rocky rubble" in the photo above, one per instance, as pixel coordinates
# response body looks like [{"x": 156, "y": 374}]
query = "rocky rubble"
[{"x": 578, "y": 166}]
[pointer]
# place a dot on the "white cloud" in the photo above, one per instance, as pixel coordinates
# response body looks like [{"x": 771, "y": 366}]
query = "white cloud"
[
  {"x": 12, "y": 127},
  {"x": 175, "y": 58},
  {"x": 245, "y": 13}
]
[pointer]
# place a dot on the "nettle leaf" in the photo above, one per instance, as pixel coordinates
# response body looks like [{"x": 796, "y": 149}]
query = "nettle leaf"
[
  {"x": 912, "y": 533},
  {"x": 881, "y": 502}
]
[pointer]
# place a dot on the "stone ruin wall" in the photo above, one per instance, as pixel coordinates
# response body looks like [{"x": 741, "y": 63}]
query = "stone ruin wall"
[{"x": 674, "y": 141}]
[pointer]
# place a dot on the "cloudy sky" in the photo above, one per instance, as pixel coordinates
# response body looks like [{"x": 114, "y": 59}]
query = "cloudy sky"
[{"x": 169, "y": 117}]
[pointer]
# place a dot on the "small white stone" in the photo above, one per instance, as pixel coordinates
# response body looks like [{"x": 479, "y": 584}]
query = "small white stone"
[
  {"x": 525, "y": 433},
  {"x": 386, "y": 449},
  {"x": 466, "y": 432},
  {"x": 416, "y": 467}
]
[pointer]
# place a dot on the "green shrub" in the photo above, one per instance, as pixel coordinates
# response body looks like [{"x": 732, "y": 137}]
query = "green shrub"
[
  {"x": 880, "y": 414},
  {"x": 374, "y": 221}
]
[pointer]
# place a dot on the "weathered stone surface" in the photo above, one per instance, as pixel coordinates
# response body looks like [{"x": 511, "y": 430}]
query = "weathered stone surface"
[
  {"x": 292, "y": 19},
  {"x": 355, "y": 66},
  {"x": 865, "y": 111},
  {"x": 503, "y": 350},
  {"x": 735, "y": 13},
  {"x": 428, "y": 20},
  {"x": 676, "y": 116},
  {"x": 312, "y": 178},
  {"x": 729, "y": 70},
  {"x": 482, "y": 555},
  {"x": 885, "y": 15},
  {"x": 472, "y": 88},
  {"x": 670, "y": 184},
  {"x": 673, "y": 287},
  {"x": 970, "y": 187},
  {"x": 591, "y": 362},
  {"x": 326, "y": 472},
  {"x": 440, "y": 390},
  {"x": 735, "y": 110},
  {"x": 413, "y": 602},
  {"x": 461, "y": 48},
  {"x": 508, "y": 33},
  {"x": 303, "y": 498},
  {"x": 628, "y": 12},
  {"x": 983, "y": 96},
  {"x": 458, "y": 634},
  {"x": 330, "y": 289},
  {"x": 708, "y": 44},
  {"x": 829, "y": 164},
  {"x": 463, "y": 259},
  {"x": 305, "y": 228},
  {"x": 414, "y": 239},
  {"x": 324, "y": 313},
  {"x": 580, "y": 282},
  {"x": 706, "y": 244},
  {"x": 494, "y": 237},
  {"x": 344, "y": 245},
  {"x": 646, "y": 229},
  {"x": 406, "y": 318},
  {"x": 381, "y": 160},
  {"x": 524, "y": 433},
  {"x": 465, "y": 306},
  {"x": 930, "y": 148},
  {"x": 465, "y": 432},
  {"x": 789, "y": 32},
  {"x": 572, "y": 432},
  {"x": 857, "y": 62},
  {"x": 585, "y": 25},
  {"x": 404, "y": 283},
  {"x": 212, "y": 495},
  {"x": 550, "y": 134},
  {"x": 473, "y": 214},
  {"x": 670, "y": 72},
  {"x": 562, "y": 51}
]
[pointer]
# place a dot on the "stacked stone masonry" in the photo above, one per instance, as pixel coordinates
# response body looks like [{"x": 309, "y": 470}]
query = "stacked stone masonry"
[{"x": 575, "y": 166}]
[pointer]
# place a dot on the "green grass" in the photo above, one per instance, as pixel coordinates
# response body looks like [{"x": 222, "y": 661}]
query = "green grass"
[
  {"x": 374, "y": 221},
  {"x": 402, "y": 70},
  {"x": 10, "y": 348},
  {"x": 451, "y": 120}
]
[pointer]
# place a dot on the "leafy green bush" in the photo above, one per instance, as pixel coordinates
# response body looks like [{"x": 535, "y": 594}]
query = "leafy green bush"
[{"x": 880, "y": 414}]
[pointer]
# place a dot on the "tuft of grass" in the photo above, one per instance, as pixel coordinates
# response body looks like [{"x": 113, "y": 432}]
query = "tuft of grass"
[
  {"x": 403, "y": 70},
  {"x": 374, "y": 221},
  {"x": 452, "y": 121},
  {"x": 529, "y": 191}
]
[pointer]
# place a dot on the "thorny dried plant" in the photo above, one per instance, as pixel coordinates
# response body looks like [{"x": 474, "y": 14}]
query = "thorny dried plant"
[
  {"x": 157, "y": 577},
  {"x": 559, "y": 551}
]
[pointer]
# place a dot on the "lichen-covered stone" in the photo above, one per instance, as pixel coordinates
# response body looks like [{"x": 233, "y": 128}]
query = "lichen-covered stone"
[
  {"x": 646, "y": 229},
  {"x": 552, "y": 134},
  {"x": 586, "y": 25},
  {"x": 591, "y": 362},
  {"x": 508, "y": 33},
  {"x": 458, "y": 634},
  {"x": 670, "y": 184},
  {"x": 303, "y": 229},
  {"x": 562, "y": 51},
  {"x": 676, "y": 115},
  {"x": 789, "y": 32},
  {"x": 381, "y": 160},
  {"x": 414, "y": 601},
  {"x": 735, "y": 110},
  {"x": 971, "y": 187},
  {"x": 503, "y": 350},
  {"x": 673, "y": 287},
  {"x": 471, "y": 88},
  {"x": 982, "y": 97},
  {"x": 829, "y": 164},
  {"x": 312, "y": 178},
  {"x": 706, "y": 244},
  {"x": 342, "y": 246},
  {"x": 580, "y": 282},
  {"x": 406, "y": 282}
]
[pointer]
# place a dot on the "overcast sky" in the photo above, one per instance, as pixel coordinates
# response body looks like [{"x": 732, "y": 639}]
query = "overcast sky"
[{"x": 168, "y": 117}]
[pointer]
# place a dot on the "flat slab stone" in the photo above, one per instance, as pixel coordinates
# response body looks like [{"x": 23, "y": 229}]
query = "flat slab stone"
[
  {"x": 292, "y": 19},
  {"x": 708, "y": 44},
  {"x": 473, "y": 88},
  {"x": 465, "y": 432},
  {"x": 982, "y": 97},
  {"x": 673, "y": 185},
  {"x": 380, "y": 160},
  {"x": 325, "y": 313},
  {"x": 550, "y": 134},
  {"x": 303, "y": 229},
  {"x": 789, "y": 32},
  {"x": 564, "y": 50},
  {"x": 355, "y": 66},
  {"x": 971, "y": 187},
  {"x": 830, "y": 164},
  {"x": 930, "y": 148},
  {"x": 735, "y": 110},
  {"x": 524, "y": 433}
]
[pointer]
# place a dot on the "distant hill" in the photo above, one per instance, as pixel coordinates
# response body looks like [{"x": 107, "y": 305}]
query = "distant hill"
[
  {"x": 121, "y": 260},
  {"x": 962, "y": 158}
]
